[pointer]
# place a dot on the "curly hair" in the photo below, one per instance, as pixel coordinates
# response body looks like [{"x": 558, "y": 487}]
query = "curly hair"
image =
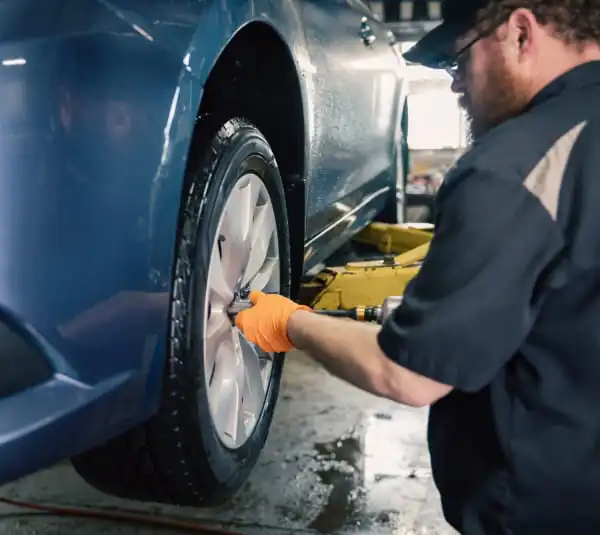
[{"x": 576, "y": 22}]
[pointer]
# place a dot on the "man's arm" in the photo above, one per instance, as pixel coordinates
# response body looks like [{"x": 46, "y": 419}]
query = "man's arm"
[{"x": 350, "y": 350}]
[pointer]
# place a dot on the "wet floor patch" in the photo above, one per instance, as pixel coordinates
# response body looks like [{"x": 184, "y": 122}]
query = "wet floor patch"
[
  {"x": 338, "y": 468},
  {"x": 367, "y": 474}
]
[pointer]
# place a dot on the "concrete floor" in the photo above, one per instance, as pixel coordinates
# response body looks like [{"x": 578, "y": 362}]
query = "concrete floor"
[{"x": 337, "y": 461}]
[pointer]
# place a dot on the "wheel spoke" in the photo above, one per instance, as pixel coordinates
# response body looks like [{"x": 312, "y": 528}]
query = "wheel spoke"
[
  {"x": 229, "y": 410},
  {"x": 246, "y": 201},
  {"x": 235, "y": 426},
  {"x": 254, "y": 388},
  {"x": 221, "y": 290},
  {"x": 217, "y": 328},
  {"x": 225, "y": 393},
  {"x": 220, "y": 388},
  {"x": 232, "y": 259},
  {"x": 267, "y": 279},
  {"x": 242, "y": 423},
  {"x": 263, "y": 229},
  {"x": 236, "y": 228}
]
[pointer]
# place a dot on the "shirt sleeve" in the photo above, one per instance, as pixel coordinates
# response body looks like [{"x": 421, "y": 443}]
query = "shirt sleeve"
[{"x": 473, "y": 302}]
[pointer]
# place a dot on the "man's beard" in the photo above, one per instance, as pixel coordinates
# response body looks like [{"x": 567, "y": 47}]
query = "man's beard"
[{"x": 502, "y": 97}]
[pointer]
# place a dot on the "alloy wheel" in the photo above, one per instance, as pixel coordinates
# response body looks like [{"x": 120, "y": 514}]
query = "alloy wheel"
[{"x": 245, "y": 256}]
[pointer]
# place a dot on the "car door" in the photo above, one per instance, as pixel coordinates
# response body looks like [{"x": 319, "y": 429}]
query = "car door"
[{"x": 355, "y": 84}]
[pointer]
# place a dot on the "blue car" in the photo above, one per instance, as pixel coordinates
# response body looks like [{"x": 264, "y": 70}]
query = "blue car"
[{"x": 158, "y": 159}]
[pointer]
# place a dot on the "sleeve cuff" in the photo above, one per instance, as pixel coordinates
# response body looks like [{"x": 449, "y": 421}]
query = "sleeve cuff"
[{"x": 395, "y": 347}]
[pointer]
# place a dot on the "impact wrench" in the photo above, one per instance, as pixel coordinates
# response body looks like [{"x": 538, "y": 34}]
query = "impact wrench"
[{"x": 371, "y": 314}]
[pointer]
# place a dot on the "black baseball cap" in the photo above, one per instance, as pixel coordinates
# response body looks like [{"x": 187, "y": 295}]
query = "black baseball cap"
[{"x": 436, "y": 48}]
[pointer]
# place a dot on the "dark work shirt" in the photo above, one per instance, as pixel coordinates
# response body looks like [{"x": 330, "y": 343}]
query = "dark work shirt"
[{"x": 506, "y": 309}]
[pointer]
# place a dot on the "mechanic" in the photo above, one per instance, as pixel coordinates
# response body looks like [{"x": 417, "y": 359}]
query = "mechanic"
[{"x": 500, "y": 331}]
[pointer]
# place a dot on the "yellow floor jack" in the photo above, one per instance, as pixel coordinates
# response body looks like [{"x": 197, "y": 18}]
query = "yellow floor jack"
[{"x": 370, "y": 290}]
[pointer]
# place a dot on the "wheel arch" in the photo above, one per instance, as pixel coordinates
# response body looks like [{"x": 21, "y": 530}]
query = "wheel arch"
[{"x": 238, "y": 85}]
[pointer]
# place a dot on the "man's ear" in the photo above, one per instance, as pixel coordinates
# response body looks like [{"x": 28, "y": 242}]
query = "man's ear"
[{"x": 522, "y": 30}]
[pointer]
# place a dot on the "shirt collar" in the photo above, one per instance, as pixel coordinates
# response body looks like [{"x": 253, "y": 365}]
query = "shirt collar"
[{"x": 583, "y": 75}]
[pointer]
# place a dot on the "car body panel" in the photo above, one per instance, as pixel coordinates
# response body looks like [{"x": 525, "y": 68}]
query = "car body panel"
[
  {"x": 100, "y": 100},
  {"x": 356, "y": 89}
]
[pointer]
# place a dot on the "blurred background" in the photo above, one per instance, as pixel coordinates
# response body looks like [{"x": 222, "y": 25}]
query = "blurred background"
[{"x": 437, "y": 127}]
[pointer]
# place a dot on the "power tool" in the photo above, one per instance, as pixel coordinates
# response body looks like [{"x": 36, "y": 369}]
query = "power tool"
[{"x": 371, "y": 314}]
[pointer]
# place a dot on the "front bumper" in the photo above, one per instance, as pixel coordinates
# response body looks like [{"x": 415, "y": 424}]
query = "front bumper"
[
  {"x": 46, "y": 415},
  {"x": 44, "y": 424}
]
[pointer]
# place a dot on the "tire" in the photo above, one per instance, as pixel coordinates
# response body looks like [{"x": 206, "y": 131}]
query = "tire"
[{"x": 182, "y": 455}]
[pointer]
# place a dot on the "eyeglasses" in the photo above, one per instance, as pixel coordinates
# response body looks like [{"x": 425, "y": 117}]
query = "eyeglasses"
[{"x": 456, "y": 66}]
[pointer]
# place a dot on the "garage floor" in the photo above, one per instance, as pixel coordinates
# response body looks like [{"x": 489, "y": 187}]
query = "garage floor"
[{"x": 337, "y": 461}]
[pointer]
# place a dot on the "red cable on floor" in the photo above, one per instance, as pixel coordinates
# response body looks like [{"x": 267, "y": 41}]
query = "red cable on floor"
[{"x": 116, "y": 516}]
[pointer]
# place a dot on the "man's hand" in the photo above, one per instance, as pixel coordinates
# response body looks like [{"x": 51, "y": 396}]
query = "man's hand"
[{"x": 266, "y": 323}]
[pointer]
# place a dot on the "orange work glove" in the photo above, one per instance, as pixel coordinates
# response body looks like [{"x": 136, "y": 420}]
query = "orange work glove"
[{"x": 265, "y": 324}]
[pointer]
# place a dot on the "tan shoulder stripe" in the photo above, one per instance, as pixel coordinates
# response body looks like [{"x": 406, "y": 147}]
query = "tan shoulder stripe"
[{"x": 546, "y": 178}]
